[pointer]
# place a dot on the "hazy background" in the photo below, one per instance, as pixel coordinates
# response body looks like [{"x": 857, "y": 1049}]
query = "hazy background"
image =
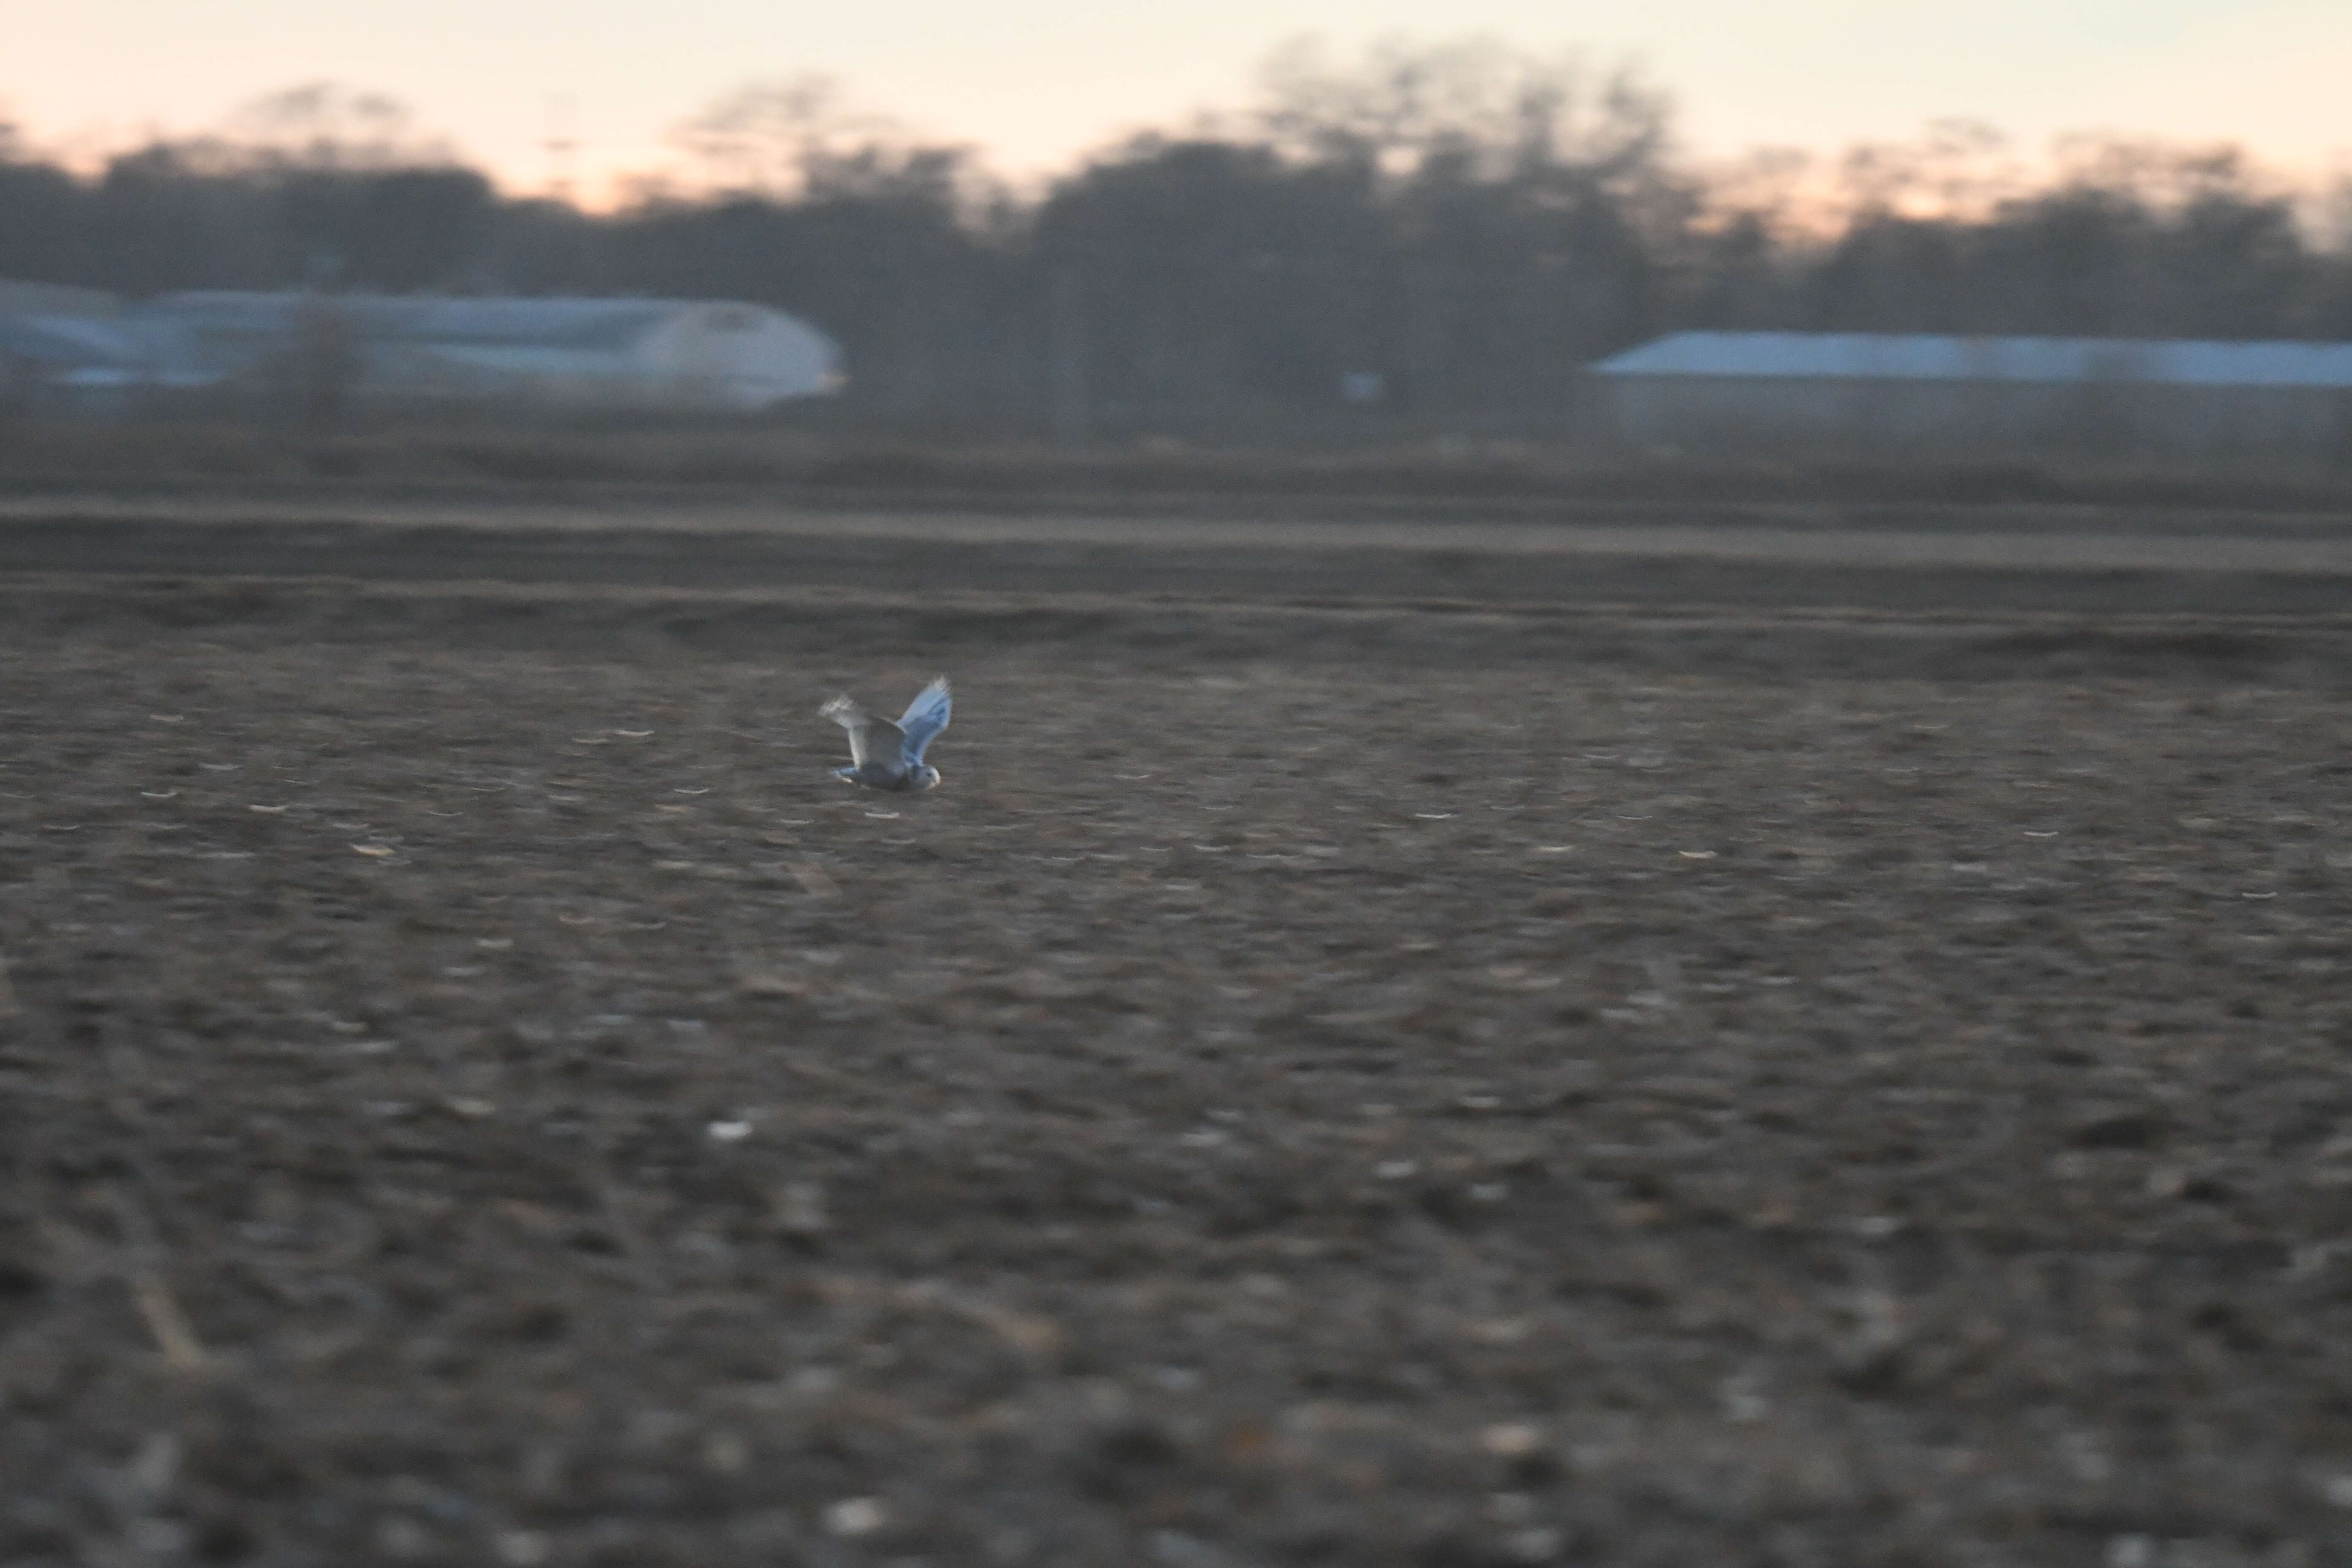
[{"x": 1214, "y": 219}]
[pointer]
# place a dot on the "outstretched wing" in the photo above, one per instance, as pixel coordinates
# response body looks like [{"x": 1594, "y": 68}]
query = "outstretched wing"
[
  {"x": 868, "y": 736},
  {"x": 926, "y": 716}
]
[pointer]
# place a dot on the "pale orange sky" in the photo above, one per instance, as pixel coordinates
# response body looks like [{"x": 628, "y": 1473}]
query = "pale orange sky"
[{"x": 1036, "y": 82}]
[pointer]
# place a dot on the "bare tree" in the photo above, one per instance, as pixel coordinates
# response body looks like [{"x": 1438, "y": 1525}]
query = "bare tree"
[
  {"x": 1957, "y": 169},
  {"x": 783, "y": 139},
  {"x": 1404, "y": 103},
  {"x": 327, "y": 127}
]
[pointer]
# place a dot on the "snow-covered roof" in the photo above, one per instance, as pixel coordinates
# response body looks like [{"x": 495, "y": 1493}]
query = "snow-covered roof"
[{"x": 1876, "y": 356}]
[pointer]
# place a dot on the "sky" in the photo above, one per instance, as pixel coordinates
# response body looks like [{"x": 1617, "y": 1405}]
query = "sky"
[{"x": 1036, "y": 83}]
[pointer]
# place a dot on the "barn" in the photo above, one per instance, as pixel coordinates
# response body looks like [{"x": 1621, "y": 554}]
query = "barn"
[
  {"x": 1890, "y": 397},
  {"x": 642, "y": 355},
  {"x": 650, "y": 354},
  {"x": 682, "y": 356}
]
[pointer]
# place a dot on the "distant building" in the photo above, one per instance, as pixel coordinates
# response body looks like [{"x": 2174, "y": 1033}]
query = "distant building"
[
  {"x": 1871, "y": 397},
  {"x": 641, "y": 355},
  {"x": 50, "y": 336}
]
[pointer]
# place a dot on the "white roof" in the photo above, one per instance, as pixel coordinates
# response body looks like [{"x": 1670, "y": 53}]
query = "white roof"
[
  {"x": 565, "y": 323},
  {"x": 1879, "y": 356}
]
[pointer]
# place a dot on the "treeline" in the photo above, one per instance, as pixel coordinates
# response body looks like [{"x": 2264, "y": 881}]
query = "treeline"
[{"x": 1440, "y": 237}]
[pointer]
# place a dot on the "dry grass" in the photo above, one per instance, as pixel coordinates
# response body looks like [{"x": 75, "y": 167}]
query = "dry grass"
[{"x": 823, "y": 451}]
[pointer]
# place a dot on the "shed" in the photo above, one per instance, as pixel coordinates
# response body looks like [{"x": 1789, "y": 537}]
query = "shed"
[{"x": 1904, "y": 396}]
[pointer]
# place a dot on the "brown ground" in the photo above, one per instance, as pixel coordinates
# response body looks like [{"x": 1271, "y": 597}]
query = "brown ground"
[{"x": 1360, "y": 1085}]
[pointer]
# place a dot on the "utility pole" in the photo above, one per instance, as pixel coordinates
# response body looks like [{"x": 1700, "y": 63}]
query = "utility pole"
[{"x": 562, "y": 148}]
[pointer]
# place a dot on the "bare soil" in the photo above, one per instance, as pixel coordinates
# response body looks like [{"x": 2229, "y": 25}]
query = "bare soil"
[{"x": 1343, "y": 1083}]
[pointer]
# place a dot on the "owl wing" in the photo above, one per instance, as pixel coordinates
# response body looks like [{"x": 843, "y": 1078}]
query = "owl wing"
[
  {"x": 868, "y": 736},
  {"x": 925, "y": 717}
]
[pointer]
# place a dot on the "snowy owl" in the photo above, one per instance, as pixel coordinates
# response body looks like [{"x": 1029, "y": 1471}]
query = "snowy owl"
[{"x": 886, "y": 756}]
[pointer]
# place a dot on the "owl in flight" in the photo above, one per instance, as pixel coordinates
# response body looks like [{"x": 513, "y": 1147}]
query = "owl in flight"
[{"x": 886, "y": 756}]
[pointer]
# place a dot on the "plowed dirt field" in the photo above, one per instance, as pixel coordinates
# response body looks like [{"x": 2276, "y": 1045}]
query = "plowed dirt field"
[{"x": 1358, "y": 1084}]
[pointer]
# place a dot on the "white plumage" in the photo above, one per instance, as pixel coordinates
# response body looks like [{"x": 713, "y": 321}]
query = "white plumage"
[{"x": 886, "y": 756}]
